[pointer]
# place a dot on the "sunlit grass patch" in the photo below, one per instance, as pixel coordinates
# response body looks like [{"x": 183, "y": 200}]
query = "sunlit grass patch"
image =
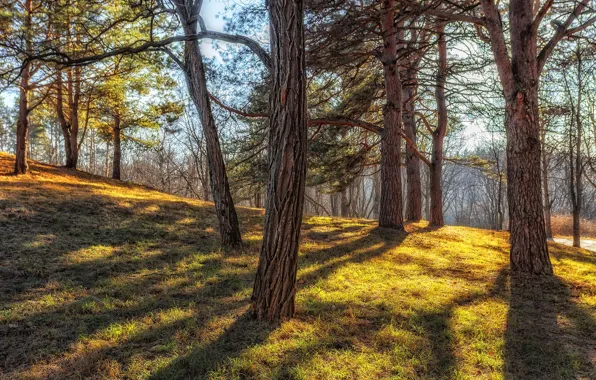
[{"x": 105, "y": 280}]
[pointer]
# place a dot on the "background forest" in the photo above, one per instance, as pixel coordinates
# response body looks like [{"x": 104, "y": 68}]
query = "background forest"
[{"x": 130, "y": 116}]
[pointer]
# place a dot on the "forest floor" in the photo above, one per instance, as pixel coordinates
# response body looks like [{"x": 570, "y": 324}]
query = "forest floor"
[{"x": 102, "y": 279}]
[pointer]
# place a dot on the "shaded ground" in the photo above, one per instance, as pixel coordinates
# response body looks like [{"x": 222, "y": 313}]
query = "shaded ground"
[
  {"x": 104, "y": 280},
  {"x": 589, "y": 244}
]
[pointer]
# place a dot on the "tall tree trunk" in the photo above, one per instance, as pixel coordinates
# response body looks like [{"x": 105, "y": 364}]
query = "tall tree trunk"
[
  {"x": 116, "y": 160},
  {"x": 391, "y": 208},
  {"x": 22, "y": 142},
  {"x": 275, "y": 282},
  {"x": 529, "y": 252},
  {"x": 577, "y": 181},
  {"x": 414, "y": 187},
  {"x": 520, "y": 77},
  {"x": 229, "y": 228},
  {"x": 438, "y": 136}
]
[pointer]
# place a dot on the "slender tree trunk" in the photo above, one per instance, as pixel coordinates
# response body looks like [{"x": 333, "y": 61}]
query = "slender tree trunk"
[
  {"x": 275, "y": 282},
  {"x": 438, "y": 136},
  {"x": 229, "y": 228},
  {"x": 546, "y": 194},
  {"x": 391, "y": 208},
  {"x": 578, "y": 158},
  {"x": 345, "y": 204},
  {"x": 22, "y": 142},
  {"x": 64, "y": 124},
  {"x": 116, "y": 160},
  {"x": 74, "y": 96},
  {"x": 107, "y": 160},
  {"x": 414, "y": 187},
  {"x": 21, "y": 165}
]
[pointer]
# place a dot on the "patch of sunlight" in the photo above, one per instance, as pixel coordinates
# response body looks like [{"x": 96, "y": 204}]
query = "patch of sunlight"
[
  {"x": 89, "y": 254},
  {"x": 186, "y": 221},
  {"x": 128, "y": 330},
  {"x": 345, "y": 363},
  {"x": 478, "y": 333},
  {"x": 40, "y": 241},
  {"x": 94, "y": 305},
  {"x": 151, "y": 209},
  {"x": 314, "y": 268}
]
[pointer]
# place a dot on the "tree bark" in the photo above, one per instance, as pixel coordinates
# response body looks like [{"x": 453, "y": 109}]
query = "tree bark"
[
  {"x": 22, "y": 142},
  {"x": 414, "y": 187},
  {"x": 391, "y": 208},
  {"x": 519, "y": 77},
  {"x": 275, "y": 282},
  {"x": 438, "y": 136},
  {"x": 116, "y": 160},
  {"x": 229, "y": 228}
]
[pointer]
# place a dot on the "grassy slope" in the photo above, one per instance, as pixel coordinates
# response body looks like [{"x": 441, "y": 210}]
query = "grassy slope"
[{"x": 100, "y": 279}]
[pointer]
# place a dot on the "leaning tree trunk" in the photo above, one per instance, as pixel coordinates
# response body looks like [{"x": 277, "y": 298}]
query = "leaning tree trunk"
[
  {"x": 391, "y": 208},
  {"x": 414, "y": 187},
  {"x": 229, "y": 228},
  {"x": 117, "y": 159},
  {"x": 438, "y": 136},
  {"x": 275, "y": 282}
]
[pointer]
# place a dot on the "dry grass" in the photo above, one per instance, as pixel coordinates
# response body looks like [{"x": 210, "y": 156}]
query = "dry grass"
[
  {"x": 105, "y": 280},
  {"x": 562, "y": 225}
]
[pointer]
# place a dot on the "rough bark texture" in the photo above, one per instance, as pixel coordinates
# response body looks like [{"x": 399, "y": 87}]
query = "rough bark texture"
[
  {"x": 116, "y": 160},
  {"x": 275, "y": 282},
  {"x": 519, "y": 78},
  {"x": 391, "y": 208},
  {"x": 438, "y": 136},
  {"x": 529, "y": 251},
  {"x": 414, "y": 186},
  {"x": 22, "y": 148},
  {"x": 229, "y": 228}
]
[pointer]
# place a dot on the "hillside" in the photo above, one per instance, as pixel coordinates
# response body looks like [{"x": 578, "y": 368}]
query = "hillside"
[{"x": 104, "y": 280}]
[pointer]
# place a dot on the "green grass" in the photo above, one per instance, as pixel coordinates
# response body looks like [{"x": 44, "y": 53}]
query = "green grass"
[{"x": 107, "y": 280}]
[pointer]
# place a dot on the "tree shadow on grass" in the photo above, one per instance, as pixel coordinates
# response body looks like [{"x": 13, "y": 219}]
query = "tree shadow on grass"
[{"x": 548, "y": 335}]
